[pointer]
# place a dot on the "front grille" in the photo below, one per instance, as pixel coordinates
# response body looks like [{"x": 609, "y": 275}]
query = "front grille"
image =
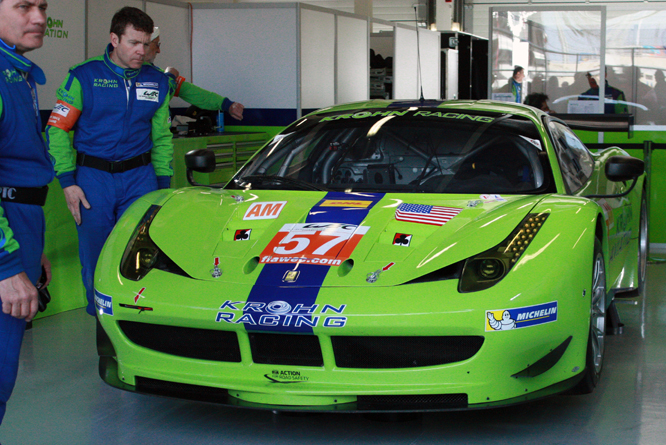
[
  {"x": 181, "y": 390},
  {"x": 286, "y": 349},
  {"x": 402, "y": 352},
  {"x": 203, "y": 344},
  {"x": 432, "y": 401}
]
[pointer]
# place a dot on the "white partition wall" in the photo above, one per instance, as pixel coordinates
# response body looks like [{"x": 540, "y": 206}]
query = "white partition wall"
[
  {"x": 352, "y": 67},
  {"x": 430, "y": 63},
  {"x": 63, "y": 47},
  {"x": 317, "y": 59},
  {"x": 406, "y": 82},
  {"x": 248, "y": 53}
]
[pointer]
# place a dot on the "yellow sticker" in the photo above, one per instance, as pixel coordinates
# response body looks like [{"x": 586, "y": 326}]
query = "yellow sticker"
[{"x": 345, "y": 203}]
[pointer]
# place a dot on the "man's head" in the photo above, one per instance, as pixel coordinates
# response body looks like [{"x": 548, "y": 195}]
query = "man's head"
[
  {"x": 154, "y": 47},
  {"x": 130, "y": 37},
  {"x": 23, "y": 23},
  {"x": 518, "y": 73},
  {"x": 538, "y": 100}
]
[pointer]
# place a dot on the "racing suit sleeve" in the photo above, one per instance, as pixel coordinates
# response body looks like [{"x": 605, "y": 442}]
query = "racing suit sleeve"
[
  {"x": 162, "y": 151},
  {"x": 204, "y": 99},
  {"x": 10, "y": 262},
  {"x": 63, "y": 118}
]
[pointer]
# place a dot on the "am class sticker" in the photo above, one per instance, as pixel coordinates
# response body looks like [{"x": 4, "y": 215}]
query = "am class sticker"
[{"x": 264, "y": 210}]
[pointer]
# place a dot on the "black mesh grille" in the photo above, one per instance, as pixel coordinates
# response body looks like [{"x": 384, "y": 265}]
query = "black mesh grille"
[
  {"x": 203, "y": 344},
  {"x": 402, "y": 352},
  {"x": 286, "y": 349},
  {"x": 407, "y": 401}
]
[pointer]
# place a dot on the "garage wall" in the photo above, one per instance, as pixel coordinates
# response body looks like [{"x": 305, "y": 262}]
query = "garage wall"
[{"x": 317, "y": 39}]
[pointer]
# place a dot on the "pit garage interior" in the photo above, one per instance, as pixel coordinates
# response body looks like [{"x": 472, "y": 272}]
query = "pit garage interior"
[{"x": 283, "y": 60}]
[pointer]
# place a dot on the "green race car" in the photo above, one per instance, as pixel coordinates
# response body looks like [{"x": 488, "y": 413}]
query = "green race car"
[{"x": 379, "y": 256}]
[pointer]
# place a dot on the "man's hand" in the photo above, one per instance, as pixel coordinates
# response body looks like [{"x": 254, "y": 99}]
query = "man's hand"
[
  {"x": 75, "y": 197},
  {"x": 19, "y": 297},
  {"x": 236, "y": 110},
  {"x": 173, "y": 71},
  {"x": 46, "y": 264}
]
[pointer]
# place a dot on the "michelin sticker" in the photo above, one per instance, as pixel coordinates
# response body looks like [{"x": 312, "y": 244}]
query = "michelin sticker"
[
  {"x": 522, "y": 317},
  {"x": 103, "y": 303}
]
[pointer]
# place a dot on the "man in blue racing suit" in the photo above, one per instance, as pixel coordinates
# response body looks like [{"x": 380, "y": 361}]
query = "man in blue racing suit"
[
  {"x": 118, "y": 108},
  {"x": 25, "y": 171}
]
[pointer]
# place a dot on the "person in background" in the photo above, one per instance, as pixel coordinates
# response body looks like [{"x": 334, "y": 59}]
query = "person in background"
[
  {"x": 25, "y": 171},
  {"x": 538, "y": 100},
  {"x": 611, "y": 93},
  {"x": 118, "y": 108},
  {"x": 515, "y": 85},
  {"x": 192, "y": 94}
]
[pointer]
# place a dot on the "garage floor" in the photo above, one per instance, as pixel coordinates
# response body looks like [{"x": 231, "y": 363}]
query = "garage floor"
[{"x": 59, "y": 399}]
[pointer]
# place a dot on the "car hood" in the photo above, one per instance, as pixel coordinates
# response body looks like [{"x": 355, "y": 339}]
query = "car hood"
[{"x": 233, "y": 236}]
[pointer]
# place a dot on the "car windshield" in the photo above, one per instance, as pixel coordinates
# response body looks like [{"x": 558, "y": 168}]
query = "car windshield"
[{"x": 407, "y": 150}]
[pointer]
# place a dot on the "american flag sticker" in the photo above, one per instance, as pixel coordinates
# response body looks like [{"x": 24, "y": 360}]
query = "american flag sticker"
[{"x": 425, "y": 214}]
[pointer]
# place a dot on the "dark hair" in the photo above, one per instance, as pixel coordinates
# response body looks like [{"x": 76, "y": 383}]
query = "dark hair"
[
  {"x": 517, "y": 69},
  {"x": 535, "y": 100},
  {"x": 131, "y": 16}
]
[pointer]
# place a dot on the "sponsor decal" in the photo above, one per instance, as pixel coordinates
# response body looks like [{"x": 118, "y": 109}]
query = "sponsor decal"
[
  {"x": 264, "y": 210},
  {"x": 522, "y": 317},
  {"x": 269, "y": 286},
  {"x": 12, "y": 76},
  {"x": 105, "y": 83},
  {"x": 434, "y": 114},
  {"x": 374, "y": 276},
  {"x": 345, "y": 203},
  {"x": 402, "y": 239},
  {"x": 138, "y": 295},
  {"x": 535, "y": 142},
  {"x": 216, "y": 272},
  {"x": 492, "y": 198},
  {"x": 281, "y": 314},
  {"x": 327, "y": 244},
  {"x": 242, "y": 235},
  {"x": 425, "y": 214},
  {"x": 61, "y": 108},
  {"x": 280, "y": 376},
  {"x": 147, "y": 85},
  {"x": 147, "y": 94},
  {"x": 63, "y": 116},
  {"x": 103, "y": 303}
]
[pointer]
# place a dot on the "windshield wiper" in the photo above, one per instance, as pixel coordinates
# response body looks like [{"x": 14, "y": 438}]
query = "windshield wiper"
[{"x": 263, "y": 179}]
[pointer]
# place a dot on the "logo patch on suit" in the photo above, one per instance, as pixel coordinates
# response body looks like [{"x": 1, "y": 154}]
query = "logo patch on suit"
[{"x": 148, "y": 94}]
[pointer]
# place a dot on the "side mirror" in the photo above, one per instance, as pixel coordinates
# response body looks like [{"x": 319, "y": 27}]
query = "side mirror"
[
  {"x": 202, "y": 161},
  {"x": 624, "y": 168}
]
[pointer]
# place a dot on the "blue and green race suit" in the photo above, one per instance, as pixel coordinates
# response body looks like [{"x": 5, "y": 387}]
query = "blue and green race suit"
[{"x": 116, "y": 114}]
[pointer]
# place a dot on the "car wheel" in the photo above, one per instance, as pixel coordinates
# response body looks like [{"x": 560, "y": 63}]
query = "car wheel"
[
  {"x": 643, "y": 245},
  {"x": 597, "y": 337}
]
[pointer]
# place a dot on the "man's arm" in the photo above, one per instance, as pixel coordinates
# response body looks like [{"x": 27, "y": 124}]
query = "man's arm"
[
  {"x": 199, "y": 97},
  {"x": 18, "y": 295},
  {"x": 63, "y": 118},
  {"x": 162, "y": 151}
]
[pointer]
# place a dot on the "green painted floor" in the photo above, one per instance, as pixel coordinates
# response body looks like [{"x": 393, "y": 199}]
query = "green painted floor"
[{"x": 59, "y": 399}]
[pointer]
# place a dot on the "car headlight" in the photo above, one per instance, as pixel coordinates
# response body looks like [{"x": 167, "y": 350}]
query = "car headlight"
[
  {"x": 488, "y": 268},
  {"x": 142, "y": 255}
]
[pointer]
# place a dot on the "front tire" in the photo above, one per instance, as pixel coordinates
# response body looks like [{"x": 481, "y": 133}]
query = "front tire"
[{"x": 597, "y": 337}]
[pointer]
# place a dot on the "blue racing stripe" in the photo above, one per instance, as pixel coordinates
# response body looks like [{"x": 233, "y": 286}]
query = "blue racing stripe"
[{"x": 279, "y": 306}]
